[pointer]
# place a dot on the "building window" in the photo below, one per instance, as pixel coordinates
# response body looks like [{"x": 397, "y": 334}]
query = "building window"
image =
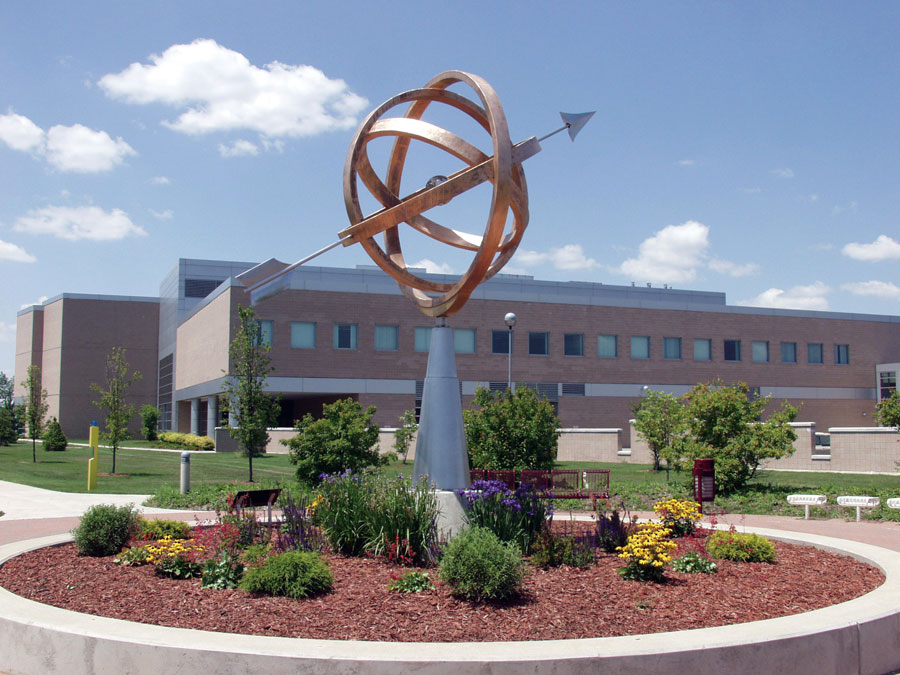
[
  {"x": 423, "y": 339},
  {"x": 732, "y": 350},
  {"x": 815, "y": 353},
  {"x": 573, "y": 344},
  {"x": 345, "y": 336},
  {"x": 386, "y": 338},
  {"x": 539, "y": 343},
  {"x": 303, "y": 334},
  {"x": 841, "y": 355},
  {"x": 640, "y": 346},
  {"x": 671, "y": 348},
  {"x": 464, "y": 340},
  {"x": 265, "y": 332},
  {"x": 702, "y": 349},
  {"x": 199, "y": 288},
  {"x": 607, "y": 346},
  {"x": 789, "y": 352},
  {"x": 500, "y": 340},
  {"x": 887, "y": 383},
  {"x": 760, "y": 351}
]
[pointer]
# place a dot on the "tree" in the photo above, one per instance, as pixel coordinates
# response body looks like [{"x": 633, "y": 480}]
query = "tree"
[
  {"x": 113, "y": 399},
  {"x": 343, "y": 438},
  {"x": 511, "y": 430},
  {"x": 887, "y": 412},
  {"x": 9, "y": 412},
  {"x": 149, "y": 420},
  {"x": 662, "y": 421},
  {"x": 404, "y": 434},
  {"x": 253, "y": 410},
  {"x": 35, "y": 406},
  {"x": 725, "y": 425},
  {"x": 54, "y": 439}
]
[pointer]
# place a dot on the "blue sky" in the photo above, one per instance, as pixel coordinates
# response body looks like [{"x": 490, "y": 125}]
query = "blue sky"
[{"x": 750, "y": 148}]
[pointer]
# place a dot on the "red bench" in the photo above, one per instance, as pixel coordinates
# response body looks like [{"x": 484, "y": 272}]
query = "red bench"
[{"x": 556, "y": 483}]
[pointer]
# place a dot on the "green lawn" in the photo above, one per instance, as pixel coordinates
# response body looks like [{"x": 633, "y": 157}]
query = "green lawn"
[{"x": 146, "y": 470}]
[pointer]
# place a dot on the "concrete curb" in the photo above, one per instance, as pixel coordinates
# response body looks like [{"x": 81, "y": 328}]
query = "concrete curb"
[{"x": 862, "y": 635}]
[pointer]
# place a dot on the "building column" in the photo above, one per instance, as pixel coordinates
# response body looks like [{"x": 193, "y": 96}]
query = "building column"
[
  {"x": 212, "y": 416},
  {"x": 195, "y": 416},
  {"x": 232, "y": 418}
]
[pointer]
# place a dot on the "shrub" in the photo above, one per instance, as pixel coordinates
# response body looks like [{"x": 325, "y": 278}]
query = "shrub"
[
  {"x": 367, "y": 513},
  {"x": 255, "y": 554},
  {"x": 222, "y": 572},
  {"x": 612, "y": 529},
  {"x": 552, "y": 550},
  {"x": 188, "y": 441},
  {"x": 511, "y": 430},
  {"x": 176, "y": 558},
  {"x": 53, "y": 437},
  {"x": 104, "y": 529},
  {"x": 678, "y": 515},
  {"x": 343, "y": 438},
  {"x": 157, "y": 529},
  {"x": 740, "y": 547},
  {"x": 478, "y": 566},
  {"x": 411, "y": 582},
  {"x": 694, "y": 563},
  {"x": 295, "y": 574},
  {"x": 516, "y": 516},
  {"x": 646, "y": 553},
  {"x": 149, "y": 420}
]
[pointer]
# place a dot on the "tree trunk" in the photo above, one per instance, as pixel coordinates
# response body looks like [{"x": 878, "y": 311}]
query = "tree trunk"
[
  {"x": 250, "y": 457},
  {"x": 33, "y": 451},
  {"x": 114, "y": 459}
]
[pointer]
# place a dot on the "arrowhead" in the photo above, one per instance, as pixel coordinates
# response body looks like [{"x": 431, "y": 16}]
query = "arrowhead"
[{"x": 575, "y": 121}]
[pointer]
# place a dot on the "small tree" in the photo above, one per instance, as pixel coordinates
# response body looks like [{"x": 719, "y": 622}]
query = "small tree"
[
  {"x": 254, "y": 411},
  {"x": 149, "y": 420},
  {"x": 343, "y": 438},
  {"x": 35, "y": 406},
  {"x": 511, "y": 430},
  {"x": 404, "y": 434},
  {"x": 887, "y": 412},
  {"x": 113, "y": 400},
  {"x": 9, "y": 412},
  {"x": 725, "y": 425},
  {"x": 54, "y": 439},
  {"x": 662, "y": 421}
]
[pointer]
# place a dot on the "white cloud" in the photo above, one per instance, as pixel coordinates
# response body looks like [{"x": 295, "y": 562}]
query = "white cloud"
[
  {"x": 567, "y": 257},
  {"x": 74, "y": 148},
  {"x": 880, "y": 289},
  {"x": 220, "y": 90},
  {"x": 732, "y": 269},
  {"x": 238, "y": 149},
  {"x": 162, "y": 215},
  {"x": 671, "y": 255},
  {"x": 39, "y": 301},
  {"x": 751, "y": 190},
  {"x": 74, "y": 223},
  {"x": 883, "y": 248},
  {"x": 433, "y": 267},
  {"x": 160, "y": 180},
  {"x": 15, "y": 253},
  {"x": 687, "y": 162},
  {"x": 799, "y": 297},
  {"x": 20, "y": 133},
  {"x": 783, "y": 173},
  {"x": 77, "y": 148}
]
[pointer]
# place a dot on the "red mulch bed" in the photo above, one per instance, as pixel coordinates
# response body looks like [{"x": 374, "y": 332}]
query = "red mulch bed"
[{"x": 556, "y": 604}]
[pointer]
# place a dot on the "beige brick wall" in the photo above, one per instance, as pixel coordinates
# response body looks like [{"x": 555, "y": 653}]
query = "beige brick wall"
[
  {"x": 865, "y": 449},
  {"x": 29, "y": 346},
  {"x": 203, "y": 342}
]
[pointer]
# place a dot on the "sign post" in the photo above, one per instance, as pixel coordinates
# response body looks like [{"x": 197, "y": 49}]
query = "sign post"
[{"x": 94, "y": 441}]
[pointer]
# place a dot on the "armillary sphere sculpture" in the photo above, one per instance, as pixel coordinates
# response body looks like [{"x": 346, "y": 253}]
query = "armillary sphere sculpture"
[{"x": 494, "y": 247}]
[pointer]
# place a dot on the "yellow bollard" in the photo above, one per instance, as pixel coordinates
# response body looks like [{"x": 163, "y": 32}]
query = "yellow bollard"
[{"x": 94, "y": 441}]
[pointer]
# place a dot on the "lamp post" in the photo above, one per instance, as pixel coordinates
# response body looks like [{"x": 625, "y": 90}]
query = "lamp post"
[{"x": 510, "y": 320}]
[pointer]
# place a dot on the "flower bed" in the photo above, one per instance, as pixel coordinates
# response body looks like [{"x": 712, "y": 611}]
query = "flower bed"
[{"x": 556, "y": 603}]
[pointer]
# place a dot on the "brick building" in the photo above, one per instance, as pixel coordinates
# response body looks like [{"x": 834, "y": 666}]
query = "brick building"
[{"x": 590, "y": 348}]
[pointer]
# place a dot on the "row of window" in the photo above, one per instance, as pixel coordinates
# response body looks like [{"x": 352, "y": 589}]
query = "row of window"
[{"x": 303, "y": 336}]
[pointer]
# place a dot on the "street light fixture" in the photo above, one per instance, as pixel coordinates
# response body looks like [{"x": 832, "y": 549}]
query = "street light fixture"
[{"x": 510, "y": 320}]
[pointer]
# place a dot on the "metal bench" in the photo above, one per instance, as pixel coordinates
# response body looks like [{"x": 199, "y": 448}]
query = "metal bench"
[
  {"x": 806, "y": 501},
  {"x": 893, "y": 503},
  {"x": 255, "y": 498},
  {"x": 860, "y": 502}
]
